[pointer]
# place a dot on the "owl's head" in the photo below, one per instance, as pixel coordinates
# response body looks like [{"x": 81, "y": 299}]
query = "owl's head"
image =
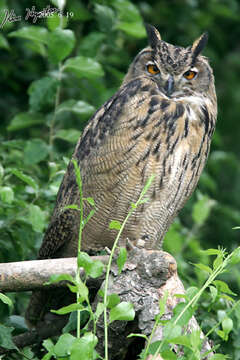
[{"x": 177, "y": 71}]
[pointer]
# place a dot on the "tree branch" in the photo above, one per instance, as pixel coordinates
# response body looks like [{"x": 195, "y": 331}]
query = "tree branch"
[{"x": 32, "y": 275}]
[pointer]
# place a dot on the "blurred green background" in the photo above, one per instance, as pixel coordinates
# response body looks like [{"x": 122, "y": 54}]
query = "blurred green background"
[{"x": 51, "y": 85}]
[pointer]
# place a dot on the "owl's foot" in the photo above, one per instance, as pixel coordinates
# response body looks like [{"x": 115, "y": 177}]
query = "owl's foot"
[{"x": 139, "y": 243}]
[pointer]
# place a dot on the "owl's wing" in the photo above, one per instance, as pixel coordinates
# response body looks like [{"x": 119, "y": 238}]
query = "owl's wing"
[{"x": 64, "y": 224}]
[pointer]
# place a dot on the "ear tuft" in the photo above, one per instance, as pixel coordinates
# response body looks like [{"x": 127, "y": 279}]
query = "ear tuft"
[
  {"x": 199, "y": 45},
  {"x": 153, "y": 35}
]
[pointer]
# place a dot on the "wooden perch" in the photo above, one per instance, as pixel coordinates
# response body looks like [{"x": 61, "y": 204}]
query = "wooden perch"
[
  {"x": 146, "y": 276},
  {"x": 32, "y": 275}
]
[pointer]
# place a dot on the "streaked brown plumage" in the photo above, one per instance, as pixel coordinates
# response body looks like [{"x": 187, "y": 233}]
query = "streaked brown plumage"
[{"x": 159, "y": 122}]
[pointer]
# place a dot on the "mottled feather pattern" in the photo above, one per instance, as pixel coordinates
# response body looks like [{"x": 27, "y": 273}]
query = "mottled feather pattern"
[{"x": 159, "y": 122}]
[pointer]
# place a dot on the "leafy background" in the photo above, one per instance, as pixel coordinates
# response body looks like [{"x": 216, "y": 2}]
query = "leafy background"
[{"x": 57, "y": 71}]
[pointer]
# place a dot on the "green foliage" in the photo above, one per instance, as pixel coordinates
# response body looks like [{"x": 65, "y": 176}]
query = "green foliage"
[{"x": 54, "y": 74}]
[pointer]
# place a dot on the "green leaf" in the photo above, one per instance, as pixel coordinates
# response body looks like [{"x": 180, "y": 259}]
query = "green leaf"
[
  {"x": 227, "y": 325},
  {"x": 195, "y": 339},
  {"x": 171, "y": 331},
  {"x": 235, "y": 258},
  {"x": 69, "y": 308},
  {"x": 37, "y": 47},
  {"x": 135, "y": 29},
  {"x": 6, "y": 300},
  {"x": 169, "y": 355},
  {"x": 187, "y": 313},
  {"x": 105, "y": 17},
  {"x": 138, "y": 335},
  {"x": 99, "y": 310},
  {"x": 123, "y": 311},
  {"x": 84, "y": 261},
  {"x": 204, "y": 268},
  {"x": 228, "y": 298},
  {"x": 1, "y": 172},
  {"x": 35, "y": 151},
  {"x": 213, "y": 292},
  {"x": 70, "y": 135},
  {"x": 3, "y": 42},
  {"x": 60, "y": 4},
  {"x": 72, "y": 288},
  {"x": 49, "y": 345},
  {"x": 96, "y": 269},
  {"x": 26, "y": 178},
  {"x": 90, "y": 200},
  {"x": 72, "y": 323},
  {"x": 6, "y": 194},
  {"x": 122, "y": 258},
  {"x": 18, "y": 322},
  {"x": 42, "y": 93},
  {"x": 54, "y": 21},
  {"x": 222, "y": 335},
  {"x": 127, "y": 11},
  {"x": 133, "y": 205},
  {"x": 6, "y": 337},
  {"x": 60, "y": 44},
  {"x": 63, "y": 345},
  {"x": 115, "y": 224},
  {"x": 91, "y": 44},
  {"x": 85, "y": 221},
  {"x": 80, "y": 107},
  {"x": 201, "y": 210},
  {"x": 25, "y": 120},
  {"x": 34, "y": 33},
  {"x": 218, "y": 261},
  {"x": 221, "y": 315},
  {"x": 83, "y": 348},
  {"x": 153, "y": 348},
  {"x": 223, "y": 287},
  {"x": 191, "y": 292},
  {"x": 212, "y": 251},
  {"x": 83, "y": 290},
  {"x": 57, "y": 278},
  {"x": 218, "y": 357},
  {"x": 80, "y": 11},
  {"x": 73, "y": 207},
  {"x": 84, "y": 67},
  {"x": 93, "y": 268},
  {"x": 36, "y": 217},
  {"x": 113, "y": 300},
  {"x": 181, "y": 340}
]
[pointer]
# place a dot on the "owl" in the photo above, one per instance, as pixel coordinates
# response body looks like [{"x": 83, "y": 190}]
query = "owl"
[{"x": 160, "y": 122}]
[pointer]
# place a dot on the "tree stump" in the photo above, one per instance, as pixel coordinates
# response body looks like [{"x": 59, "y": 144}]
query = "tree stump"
[{"x": 146, "y": 276}]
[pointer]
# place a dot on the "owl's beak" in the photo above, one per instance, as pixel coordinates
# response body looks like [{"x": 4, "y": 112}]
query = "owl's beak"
[{"x": 169, "y": 86}]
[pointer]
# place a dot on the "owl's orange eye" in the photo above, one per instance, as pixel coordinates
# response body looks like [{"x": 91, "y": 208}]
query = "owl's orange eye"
[
  {"x": 153, "y": 69},
  {"x": 190, "y": 74}
]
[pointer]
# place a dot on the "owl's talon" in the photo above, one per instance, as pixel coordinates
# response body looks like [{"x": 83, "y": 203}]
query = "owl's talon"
[
  {"x": 140, "y": 243},
  {"x": 108, "y": 251}
]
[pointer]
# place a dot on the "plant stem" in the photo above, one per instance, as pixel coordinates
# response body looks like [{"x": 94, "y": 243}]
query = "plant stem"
[
  {"x": 111, "y": 258},
  {"x": 227, "y": 314},
  {"x": 79, "y": 183},
  {"x": 219, "y": 269},
  {"x": 208, "y": 282}
]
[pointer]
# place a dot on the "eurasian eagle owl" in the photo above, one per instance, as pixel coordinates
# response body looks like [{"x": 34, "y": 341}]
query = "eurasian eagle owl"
[{"x": 160, "y": 122}]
